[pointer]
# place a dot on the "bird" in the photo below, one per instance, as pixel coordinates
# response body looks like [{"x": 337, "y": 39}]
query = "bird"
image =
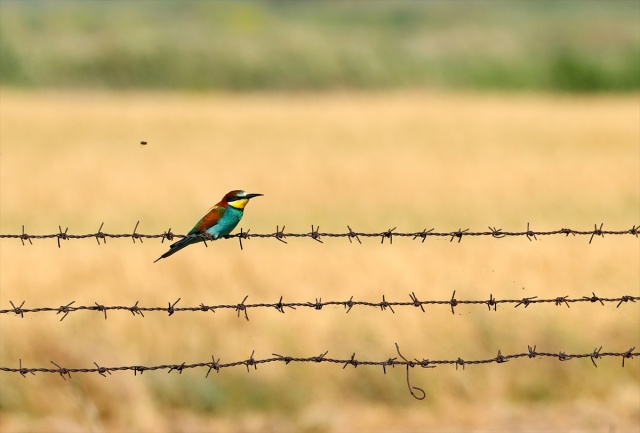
[{"x": 217, "y": 223}]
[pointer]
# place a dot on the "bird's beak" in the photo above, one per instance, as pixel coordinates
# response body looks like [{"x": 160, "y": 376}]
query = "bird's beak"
[{"x": 249, "y": 196}]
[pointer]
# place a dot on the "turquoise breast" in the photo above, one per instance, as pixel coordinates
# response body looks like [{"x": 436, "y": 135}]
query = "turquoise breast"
[{"x": 226, "y": 224}]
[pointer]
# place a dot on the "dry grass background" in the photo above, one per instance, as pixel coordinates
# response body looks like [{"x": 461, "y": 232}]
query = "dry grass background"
[{"x": 373, "y": 161}]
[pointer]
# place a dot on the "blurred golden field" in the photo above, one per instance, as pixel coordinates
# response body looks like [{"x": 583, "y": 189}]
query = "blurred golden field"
[{"x": 411, "y": 160}]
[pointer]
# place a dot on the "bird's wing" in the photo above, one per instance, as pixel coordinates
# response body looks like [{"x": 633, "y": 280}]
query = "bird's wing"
[{"x": 209, "y": 220}]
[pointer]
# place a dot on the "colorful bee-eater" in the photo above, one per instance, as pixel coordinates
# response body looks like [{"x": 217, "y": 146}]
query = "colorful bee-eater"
[{"x": 217, "y": 223}]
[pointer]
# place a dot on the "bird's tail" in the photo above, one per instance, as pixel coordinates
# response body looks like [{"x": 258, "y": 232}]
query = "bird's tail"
[{"x": 177, "y": 246}]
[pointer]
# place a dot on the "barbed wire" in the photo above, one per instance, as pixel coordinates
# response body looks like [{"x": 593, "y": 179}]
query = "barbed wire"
[
  {"x": 316, "y": 235},
  {"x": 318, "y": 304},
  {"x": 280, "y": 235},
  {"x": 400, "y": 360}
]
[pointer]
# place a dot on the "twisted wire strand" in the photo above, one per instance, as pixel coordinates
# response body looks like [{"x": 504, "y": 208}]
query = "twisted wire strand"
[
  {"x": 316, "y": 235},
  {"x": 399, "y": 360},
  {"x": 242, "y": 307}
]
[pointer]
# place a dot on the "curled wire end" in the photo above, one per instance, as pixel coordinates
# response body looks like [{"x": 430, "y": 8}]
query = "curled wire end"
[{"x": 412, "y": 389}]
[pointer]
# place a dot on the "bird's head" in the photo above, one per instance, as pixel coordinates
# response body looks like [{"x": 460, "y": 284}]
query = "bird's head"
[{"x": 238, "y": 199}]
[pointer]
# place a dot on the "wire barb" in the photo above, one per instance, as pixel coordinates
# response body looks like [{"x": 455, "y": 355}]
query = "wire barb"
[
  {"x": 279, "y": 235},
  {"x": 65, "y": 309},
  {"x": 25, "y": 237},
  {"x": 315, "y": 235},
  {"x": 492, "y": 303},
  {"x": 349, "y": 304},
  {"x": 62, "y": 235},
  {"x": 243, "y": 235},
  {"x": 179, "y": 368},
  {"x": 99, "y": 235},
  {"x": 563, "y": 356},
  {"x": 596, "y": 232},
  {"x": 170, "y": 308},
  {"x": 18, "y": 310},
  {"x": 458, "y": 234},
  {"x": 241, "y": 307},
  {"x": 320, "y": 357},
  {"x": 101, "y": 370},
  {"x": 168, "y": 235},
  {"x": 135, "y": 309},
  {"x": 101, "y": 308},
  {"x": 23, "y": 371},
  {"x": 594, "y": 298},
  {"x": 352, "y": 361},
  {"x": 251, "y": 361},
  {"x": 318, "y": 304},
  {"x": 135, "y": 235},
  {"x": 562, "y": 300},
  {"x": 628, "y": 355},
  {"x": 531, "y": 234},
  {"x": 351, "y": 234},
  {"x": 626, "y": 299},
  {"x": 527, "y": 301},
  {"x": 453, "y": 302},
  {"x": 62, "y": 371},
  {"x": 213, "y": 365},
  {"x": 388, "y": 234},
  {"x": 595, "y": 355},
  {"x": 384, "y": 305},
  {"x": 415, "y": 301}
]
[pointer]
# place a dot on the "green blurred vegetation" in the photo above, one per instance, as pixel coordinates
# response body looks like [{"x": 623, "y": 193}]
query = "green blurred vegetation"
[{"x": 582, "y": 46}]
